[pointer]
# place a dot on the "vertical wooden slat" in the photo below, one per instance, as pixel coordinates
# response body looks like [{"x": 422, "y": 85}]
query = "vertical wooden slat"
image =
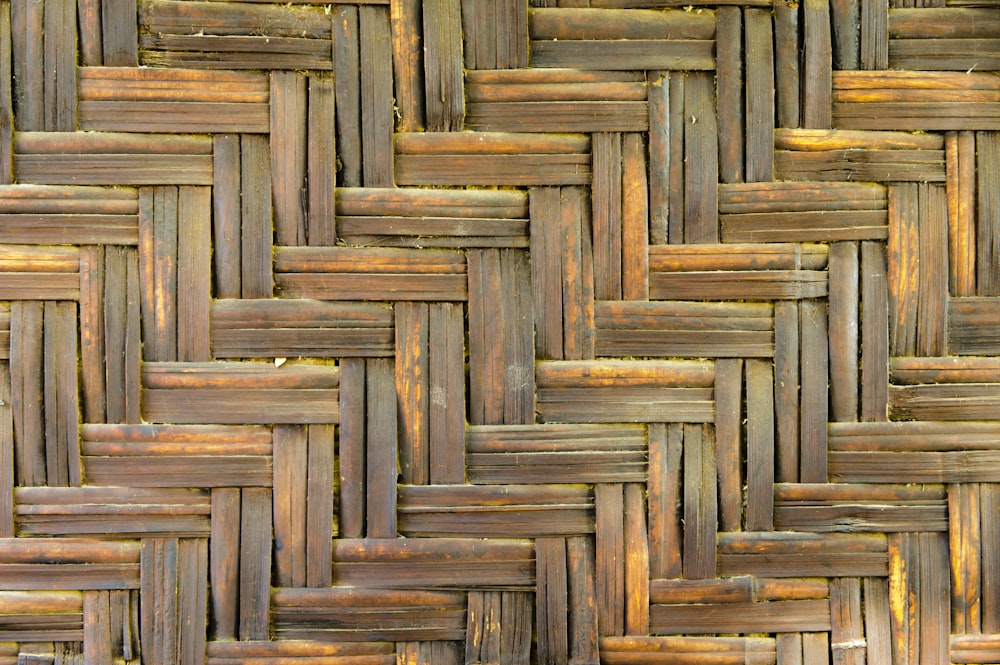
[
  {"x": 665, "y": 535},
  {"x": 225, "y": 562},
  {"x": 6, "y": 455},
  {"x": 192, "y": 562},
  {"x": 903, "y": 249},
  {"x": 194, "y": 270},
  {"x": 443, "y": 76},
  {"x": 376, "y": 95},
  {"x": 406, "y": 22},
  {"x": 878, "y": 636},
  {"x": 960, "y": 153},
  {"x": 97, "y": 627},
  {"x": 932, "y": 279},
  {"x": 844, "y": 302},
  {"x": 814, "y": 372},
  {"x": 700, "y": 502},
  {"x": 759, "y": 96},
  {"x": 27, "y": 391},
  {"x": 636, "y": 562},
  {"x": 988, "y": 191},
  {"x": 321, "y": 167},
  {"x": 121, "y": 324},
  {"x": 479, "y": 30},
  {"x": 729, "y": 92},
  {"x": 786, "y": 60},
  {"x": 91, "y": 38},
  {"x": 760, "y": 446},
  {"x": 412, "y": 388},
  {"x": 788, "y": 647},
  {"x": 346, "y": 67},
  {"x": 847, "y": 630},
  {"x": 486, "y": 371},
  {"x": 817, "y": 73},
  {"x": 728, "y": 441},
  {"x": 255, "y": 563},
  {"x": 677, "y": 93},
  {"x": 256, "y": 231},
  {"x": 120, "y": 33},
  {"x": 289, "y": 495},
  {"x": 288, "y": 155},
  {"x": 551, "y": 600},
  {"x": 158, "y": 271},
  {"x": 964, "y": 549},
  {"x": 320, "y": 489},
  {"x": 546, "y": 276},
  {"x": 6, "y": 98},
  {"x": 92, "y": 349},
  {"x": 701, "y": 161},
  {"x": 786, "y": 390},
  {"x": 659, "y": 156},
  {"x": 874, "y": 37},
  {"x": 158, "y": 591},
  {"x": 59, "y": 30},
  {"x": 352, "y": 447},
  {"x": 447, "y": 393},
  {"x": 815, "y": 648},
  {"x": 482, "y": 643},
  {"x": 29, "y": 65},
  {"x": 989, "y": 533},
  {"x": 845, "y": 15},
  {"x": 583, "y": 631},
  {"x": 518, "y": 338},
  {"x": 577, "y": 276},
  {"x": 226, "y": 216},
  {"x": 607, "y": 215},
  {"x": 635, "y": 226},
  {"x": 381, "y": 466},
  {"x": 874, "y": 333},
  {"x": 62, "y": 443},
  {"x": 512, "y": 34},
  {"x": 609, "y": 499}
]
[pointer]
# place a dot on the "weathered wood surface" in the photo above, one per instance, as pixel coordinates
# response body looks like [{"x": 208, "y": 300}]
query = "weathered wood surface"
[{"x": 442, "y": 332}]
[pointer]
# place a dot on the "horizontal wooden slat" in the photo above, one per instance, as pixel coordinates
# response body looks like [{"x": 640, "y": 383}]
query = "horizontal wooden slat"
[
  {"x": 41, "y": 616},
  {"x": 946, "y": 401},
  {"x": 785, "y": 554},
  {"x": 678, "y": 329},
  {"x": 687, "y": 650},
  {"x": 434, "y": 563},
  {"x": 686, "y": 54},
  {"x": 342, "y": 273},
  {"x": 292, "y": 652},
  {"x": 897, "y": 100},
  {"x": 972, "y": 326},
  {"x": 538, "y": 454},
  {"x": 732, "y": 284},
  {"x": 575, "y": 23},
  {"x": 292, "y": 328},
  {"x": 491, "y": 158},
  {"x": 508, "y": 511},
  {"x": 214, "y": 18},
  {"x": 93, "y": 158},
  {"x": 773, "y": 617},
  {"x": 234, "y": 51},
  {"x": 356, "y": 614},
  {"x": 858, "y": 508},
  {"x": 975, "y": 648},
  {"x": 61, "y": 564}
]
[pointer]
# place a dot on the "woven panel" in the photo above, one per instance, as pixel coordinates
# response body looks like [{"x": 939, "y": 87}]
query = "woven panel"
[{"x": 444, "y": 332}]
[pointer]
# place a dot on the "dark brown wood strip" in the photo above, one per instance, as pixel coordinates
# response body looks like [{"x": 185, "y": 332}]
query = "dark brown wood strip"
[
  {"x": 158, "y": 586},
  {"x": 760, "y": 446},
  {"x": 960, "y": 165},
  {"x": 194, "y": 263},
  {"x": 546, "y": 280},
  {"x": 606, "y": 215},
  {"x": 29, "y": 66},
  {"x": 119, "y": 33},
  {"x": 121, "y": 326},
  {"x": 874, "y": 333},
  {"x": 813, "y": 373},
  {"x": 637, "y": 562},
  {"x": 700, "y": 503},
  {"x": 635, "y": 220},
  {"x": 817, "y": 64},
  {"x": 701, "y": 218},
  {"x": 447, "y": 389},
  {"x": 728, "y": 441},
  {"x": 381, "y": 448},
  {"x": 874, "y": 37},
  {"x": 59, "y": 48},
  {"x": 227, "y": 217},
  {"x": 62, "y": 444},
  {"x": 964, "y": 549},
  {"x": 623, "y": 650},
  {"x": 192, "y": 598},
  {"x": 287, "y": 137},
  {"x": 321, "y": 165},
  {"x": 346, "y": 54},
  {"x": 7, "y": 447},
  {"x": 27, "y": 391},
  {"x": 834, "y": 555},
  {"x": 352, "y": 471},
  {"x": 990, "y": 543},
  {"x": 659, "y": 139},
  {"x": 786, "y": 60},
  {"x": 255, "y": 563},
  {"x": 319, "y": 505},
  {"x": 7, "y": 95},
  {"x": 786, "y": 390},
  {"x": 442, "y": 43},
  {"x": 225, "y": 553},
  {"x": 412, "y": 386},
  {"x": 256, "y": 236},
  {"x": 407, "y": 56},
  {"x": 290, "y": 488},
  {"x": 609, "y": 501},
  {"x": 760, "y": 110},
  {"x": 551, "y": 599},
  {"x": 781, "y": 616},
  {"x": 988, "y": 179},
  {"x": 376, "y": 96},
  {"x": 577, "y": 271},
  {"x": 729, "y": 92},
  {"x": 844, "y": 322}
]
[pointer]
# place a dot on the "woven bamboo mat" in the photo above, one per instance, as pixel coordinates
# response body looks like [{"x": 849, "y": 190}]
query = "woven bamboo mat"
[{"x": 441, "y": 332}]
